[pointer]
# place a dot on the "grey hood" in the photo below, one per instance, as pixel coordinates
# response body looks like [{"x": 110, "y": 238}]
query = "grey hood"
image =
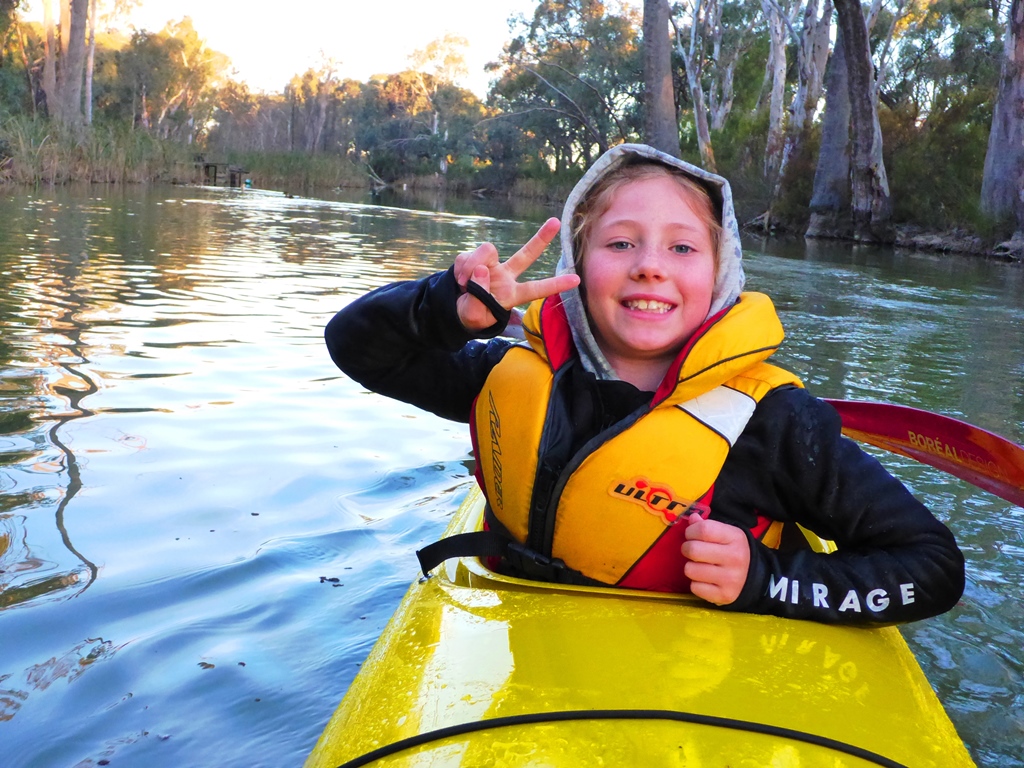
[{"x": 728, "y": 279}]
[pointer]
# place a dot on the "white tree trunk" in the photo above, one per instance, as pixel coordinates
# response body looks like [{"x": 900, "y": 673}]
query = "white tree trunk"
[
  {"x": 50, "y": 64},
  {"x": 830, "y": 201},
  {"x": 693, "y": 59},
  {"x": 90, "y": 63},
  {"x": 71, "y": 65},
  {"x": 75, "y": 70},
  {"x": 1003, "y": 181},
  {"x": 722, "y": 95},
  {"x": 773, "y": 15},
  {"x": 812, "y": 43}
]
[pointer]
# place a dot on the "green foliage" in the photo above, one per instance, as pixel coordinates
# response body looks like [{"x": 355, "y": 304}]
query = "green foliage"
[
  {"x": 749, "y": 76},
  {"x": 945, "y": 52},
  {"x": 739, "y": 153},
  {"x": 572, "y": 80},
  {"x": 14, "y": 95},
  {"x": 935, "y": 168},
  {"x": 7, "y": 9},
  {"x": 164, "y": 82}
]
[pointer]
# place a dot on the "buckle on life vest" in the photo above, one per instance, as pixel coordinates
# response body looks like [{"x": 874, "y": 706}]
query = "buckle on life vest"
[{"x": 534, "y": 565}]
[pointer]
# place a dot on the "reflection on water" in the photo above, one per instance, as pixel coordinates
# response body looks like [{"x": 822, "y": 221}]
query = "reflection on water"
[
  {"x": 55, "y": 374},
  {"x": 235, "y": 520}
]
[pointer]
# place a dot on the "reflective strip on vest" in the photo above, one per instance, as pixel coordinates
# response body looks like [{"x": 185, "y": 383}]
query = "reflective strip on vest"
[{"x": 724, "y": 410}]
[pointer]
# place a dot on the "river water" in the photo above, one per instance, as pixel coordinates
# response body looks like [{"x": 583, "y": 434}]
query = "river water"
[{"x": 204, "y": 526}]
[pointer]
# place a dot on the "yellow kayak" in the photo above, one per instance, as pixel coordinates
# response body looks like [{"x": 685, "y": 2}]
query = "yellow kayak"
[{"x": 480, "y": 669}]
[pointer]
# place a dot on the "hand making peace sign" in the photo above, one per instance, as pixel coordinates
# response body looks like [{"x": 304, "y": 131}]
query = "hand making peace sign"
[{"x": 500, "y": 278}]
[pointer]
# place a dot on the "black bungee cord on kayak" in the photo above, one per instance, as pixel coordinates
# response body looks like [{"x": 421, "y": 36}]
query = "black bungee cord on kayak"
[{"x": 618, "y": 714}]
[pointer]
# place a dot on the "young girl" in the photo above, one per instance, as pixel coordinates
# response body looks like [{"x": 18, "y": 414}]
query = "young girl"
[{"x": 639, "y": 438}]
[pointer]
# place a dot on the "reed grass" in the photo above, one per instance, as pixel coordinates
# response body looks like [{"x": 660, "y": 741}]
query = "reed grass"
[
  {"x": 36, "y": 151},
  {"x": 298, "y": 170},
  {"x": 39, "y": 151}
]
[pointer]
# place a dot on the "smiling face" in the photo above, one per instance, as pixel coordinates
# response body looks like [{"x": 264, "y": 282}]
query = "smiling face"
[{"x": 648, "y": 271}]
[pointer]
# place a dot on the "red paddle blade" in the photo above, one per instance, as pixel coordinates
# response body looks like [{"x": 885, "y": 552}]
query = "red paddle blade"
[{"x": 980, "y": 457}]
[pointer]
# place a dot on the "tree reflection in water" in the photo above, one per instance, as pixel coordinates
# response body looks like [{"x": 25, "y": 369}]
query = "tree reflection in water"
[
  {"x": 26, "y": 574},
  {"x": 69, "y": 666}
]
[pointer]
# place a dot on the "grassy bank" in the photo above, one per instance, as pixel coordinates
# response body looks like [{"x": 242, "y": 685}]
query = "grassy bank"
[
  {"x": 39, "y": 151},
  {"x": 36, "y": 151},
  {"x": 297, "y": 171}
]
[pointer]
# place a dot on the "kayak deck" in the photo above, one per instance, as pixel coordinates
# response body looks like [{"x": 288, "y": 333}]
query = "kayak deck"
[{"x": 647, "y": 679}]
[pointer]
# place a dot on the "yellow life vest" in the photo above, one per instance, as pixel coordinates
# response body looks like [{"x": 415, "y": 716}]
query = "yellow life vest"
[{"x": 611, "y": 513}]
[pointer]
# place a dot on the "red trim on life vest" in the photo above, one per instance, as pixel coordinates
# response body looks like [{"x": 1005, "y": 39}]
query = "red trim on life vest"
[
  {"x": 661, "y": 567},
  {"x": 763, "y": 524},
  {"x": 668, "y": 384},
  {"x": 554, "y": 331}
]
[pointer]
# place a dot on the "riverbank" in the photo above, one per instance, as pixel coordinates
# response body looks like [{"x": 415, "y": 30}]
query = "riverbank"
[
  {"x": 34, "y": 152},
  {"x": 960, "y": 241}
]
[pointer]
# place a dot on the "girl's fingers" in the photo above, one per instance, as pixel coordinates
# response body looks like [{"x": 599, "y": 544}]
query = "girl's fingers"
[
  {"x": 484, "y": 267},
  {"x": 472, "y": 313},
  {"x": 534, "y": 247},
  {"x": 704, "y": 552},
  {"x": 485, "y": 255},
  {"x": 711, "y": 531},
  {"x": 548, "y": 286},
  {"x": 701, "y": 572},
  {"x": 714, "y": 583},
  {"x": 711, "y": 592},
  {"x": 481, "y": 276}
]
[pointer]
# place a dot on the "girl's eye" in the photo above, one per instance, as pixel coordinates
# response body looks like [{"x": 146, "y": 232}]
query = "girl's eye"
[
  {"x": 682, "y": 248},
  {"x": 619, "y": 245}
]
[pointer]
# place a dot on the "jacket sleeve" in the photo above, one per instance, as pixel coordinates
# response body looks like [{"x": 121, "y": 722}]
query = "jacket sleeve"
[
  {"x": 895, "y": 561},
  {"x": 405, "y": 341}
]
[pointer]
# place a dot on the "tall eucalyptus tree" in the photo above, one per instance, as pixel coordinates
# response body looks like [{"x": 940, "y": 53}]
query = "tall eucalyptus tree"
[
  {"x": 811, "y": 42},
  {"x": 871, "y": 204},
  {"x": 1003, "y": 180},
  {"x": 661, "y": 127},
  {"x": 830, "y": 200},
  {"x": 64, "y": 66}
]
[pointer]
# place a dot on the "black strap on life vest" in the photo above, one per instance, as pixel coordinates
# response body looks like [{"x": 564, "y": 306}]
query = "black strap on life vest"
[
  {"x": 523, "y": 561},
  {"x": 472, "y": 544}
]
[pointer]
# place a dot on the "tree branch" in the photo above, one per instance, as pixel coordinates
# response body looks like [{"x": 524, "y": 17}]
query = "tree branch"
[
  {"x": 581, "y": 115},
  {"x": 604, "y": 101}
]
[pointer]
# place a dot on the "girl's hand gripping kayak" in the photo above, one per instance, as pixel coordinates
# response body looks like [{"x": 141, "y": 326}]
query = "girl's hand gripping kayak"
[
  {"x": 719, "y": 558},
  {"x": 500, "y": 278}
]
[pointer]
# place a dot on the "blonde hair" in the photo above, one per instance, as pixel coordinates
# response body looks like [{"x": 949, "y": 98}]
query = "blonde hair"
[{"x": 599, "y": 199}]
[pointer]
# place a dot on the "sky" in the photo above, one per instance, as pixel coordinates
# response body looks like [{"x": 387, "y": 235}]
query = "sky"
[{"x": 269, "y": 42}]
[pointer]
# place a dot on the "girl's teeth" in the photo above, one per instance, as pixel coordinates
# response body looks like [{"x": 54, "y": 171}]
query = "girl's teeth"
[{"x": 645, "y": 305}]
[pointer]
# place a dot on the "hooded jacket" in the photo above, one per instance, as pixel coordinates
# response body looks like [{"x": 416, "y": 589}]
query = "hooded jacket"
[
  {"x": 729, "y": 277},
  {"x": 789, "y": 462}
]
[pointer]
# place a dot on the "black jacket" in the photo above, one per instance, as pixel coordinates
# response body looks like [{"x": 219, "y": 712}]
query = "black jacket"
[{"x": 895, "y": 562}]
